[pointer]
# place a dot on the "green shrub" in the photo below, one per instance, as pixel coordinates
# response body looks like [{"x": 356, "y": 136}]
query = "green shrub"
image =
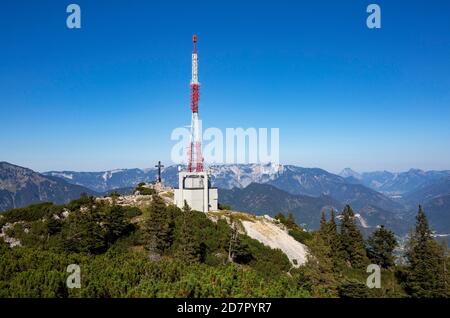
[
  {"x": 224, "y": 207},
  {"x": 353, "y": 289},
  {"x": 144, "y": 190},
  {"x": 31, "y": 213},
  {"x": 131, "y": 212},
  {"x": 300, "y": 235}
]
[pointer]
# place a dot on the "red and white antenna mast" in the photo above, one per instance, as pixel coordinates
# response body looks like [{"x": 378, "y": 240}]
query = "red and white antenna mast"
[{"x": 195, "y": 158}]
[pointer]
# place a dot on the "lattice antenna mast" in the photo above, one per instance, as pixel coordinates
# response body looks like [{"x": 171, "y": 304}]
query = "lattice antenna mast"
[{"x": 195, "y": 158}]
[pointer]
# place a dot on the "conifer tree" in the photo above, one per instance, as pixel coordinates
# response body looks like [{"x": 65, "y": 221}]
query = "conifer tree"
[
  {"x": 323, "y": 229},
  {"x": 290, "y": 221},
  {"x": 82, "y": 233},
  {"x": 380, "y": 247},
  {"x": 280, "y": 217},
  {"x": 187, "y": 243},
  {"x": 352, "y": 288},
  {"x": 329, "y": 235},
  {"x": 238, "y": 251},
  {"x": 114, "y": 222},
  {"x": 319, "y": 272},
  {"x": 426, "y": 271},
  {"x": 234, "y": 242},
  {"x": 332, "y": 223},
  {"x": 158, "y": 231},
  {"x": 333, "y": 240},
  {"x": 351, "y": 240},
  {"x": 333, "y": 233}
]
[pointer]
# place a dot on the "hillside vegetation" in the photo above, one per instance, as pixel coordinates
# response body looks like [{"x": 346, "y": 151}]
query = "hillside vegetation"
[{"x": 164, "y": 251}]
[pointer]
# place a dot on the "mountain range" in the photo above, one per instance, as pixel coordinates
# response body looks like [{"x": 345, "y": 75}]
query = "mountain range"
[
  {"x": 267, "y": 199},
  {"x": 377, "y": 197},
  {"x": 395, "y": 184},
  {"x": 20, "y": 187}
]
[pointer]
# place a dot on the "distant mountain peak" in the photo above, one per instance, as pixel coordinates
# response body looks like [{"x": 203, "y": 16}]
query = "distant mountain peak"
[
  {"x": 416, "y": 171},
  {"x": 348, "y": 172}
]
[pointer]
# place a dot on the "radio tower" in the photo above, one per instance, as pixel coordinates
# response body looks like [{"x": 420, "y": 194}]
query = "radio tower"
[
  {"x": 194, "y": 186},
  {"x": 195, "y": 159}
]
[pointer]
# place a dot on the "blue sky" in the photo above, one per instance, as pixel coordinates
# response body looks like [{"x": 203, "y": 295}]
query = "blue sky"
[{"x": 108, "y": 96}]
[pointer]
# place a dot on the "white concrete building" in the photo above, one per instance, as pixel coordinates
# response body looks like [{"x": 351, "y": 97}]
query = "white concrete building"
[{"x": 195, "y": 188}]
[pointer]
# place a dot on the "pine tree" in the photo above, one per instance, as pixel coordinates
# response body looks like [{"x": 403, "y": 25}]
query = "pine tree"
[
  {"x": 426, "y": 270},
  {"x": 323, "y": 229},
  {"x": 290, "y": 221},
  {"x": 280, "y": 217},
  {"x": 380, "y": 247},
  {"x": 333, "y": 233},
  {"x": 82, "y": 233},
  {"x": 352, "y": 288},
  {"x": 332, "y": 223},
  {"x": 115, "y": 222},
  {"x": 333, "y": 240},
  {"x": 351, "y": 240},
  {"x": 187, "y": 243},
  {"x": 238, "y": 251},
  {"x": 329, "y": 235},
  {"x": 234, "y": 242},
  {"x": 319, "y": 272},
  {"x": 158, "y": 229}
]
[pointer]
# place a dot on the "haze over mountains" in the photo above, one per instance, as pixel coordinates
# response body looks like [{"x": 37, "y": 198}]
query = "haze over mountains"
[
  {"x": 396, "y": 184},
  {"x": 377, "y": 197}
]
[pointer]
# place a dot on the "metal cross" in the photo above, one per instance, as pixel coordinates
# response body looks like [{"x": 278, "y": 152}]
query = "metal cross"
[{"x": 159, "y": 166}]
